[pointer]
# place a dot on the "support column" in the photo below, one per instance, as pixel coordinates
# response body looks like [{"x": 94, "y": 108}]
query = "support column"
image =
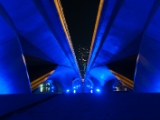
[
  {"x": 13, "y": 73},
  {"x": 147, "y": 73}
]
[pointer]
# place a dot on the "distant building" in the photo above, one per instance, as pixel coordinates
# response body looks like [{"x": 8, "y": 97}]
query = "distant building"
[{"x": 83, "y": 52}]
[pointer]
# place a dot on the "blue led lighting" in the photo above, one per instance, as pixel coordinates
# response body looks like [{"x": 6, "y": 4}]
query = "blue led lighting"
[
  {"x": 100, "y": 75},
  {"x": 91, "y": 91},
  {"x": 98, "y": 90},
  {"x": 34, "y": 26},
  {"x": 27, "y": 26},
  {"x": 67, "y": 90},
  {"x": 13, "y": 73}
]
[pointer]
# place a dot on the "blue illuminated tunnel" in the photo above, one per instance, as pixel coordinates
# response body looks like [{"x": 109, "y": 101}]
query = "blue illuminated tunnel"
[
  {"x": 38, "y": 28},
  {"x": 13, "y": 73},
  {"x": 125, "y": 28},
  {"x": 100, "y": 77},
  {"x": 32, "y": 28}
]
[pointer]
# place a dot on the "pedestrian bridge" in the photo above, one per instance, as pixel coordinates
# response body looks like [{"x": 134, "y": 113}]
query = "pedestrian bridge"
[{"x": 36, "y": 31}]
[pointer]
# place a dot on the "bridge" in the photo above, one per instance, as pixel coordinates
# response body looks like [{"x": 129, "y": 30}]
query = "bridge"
[
  {"x": 36, "y": 49},
  {"x": 123, "y": 30},
  {"x": 38, "y": 30}
]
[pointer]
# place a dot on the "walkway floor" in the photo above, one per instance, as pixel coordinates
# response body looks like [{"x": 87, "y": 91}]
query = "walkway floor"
[{"x": 102, "y": 106}]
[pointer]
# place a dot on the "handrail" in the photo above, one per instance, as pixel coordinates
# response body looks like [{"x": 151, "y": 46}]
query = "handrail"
[
  {"x": 38, "y": 81},
  {"x": 127, "y": 82}
]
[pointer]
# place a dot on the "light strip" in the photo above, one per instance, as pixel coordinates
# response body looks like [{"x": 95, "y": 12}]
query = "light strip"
[
  {"x": 96, "y": 27},
  {"x": 129, "y": 83},
  {"x": 65, "y": 28},
  {"x": 38, "y": 81}
]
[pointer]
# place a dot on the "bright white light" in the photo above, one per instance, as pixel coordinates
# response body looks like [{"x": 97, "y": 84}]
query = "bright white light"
[
  {"x": 67, "y": 90},
  {"x": 91, "y": 91},
  {"x": 74, "y": 91},
  {"x": 24, "y": 60},
  {"x": 98, "y": 90},
  {"x": 41, "y": 85},
  {"x": 41, "y": 89}
]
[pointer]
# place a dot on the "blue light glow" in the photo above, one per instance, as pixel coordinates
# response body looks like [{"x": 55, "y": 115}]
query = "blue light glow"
[
  {"x": 115, "y": 34},
  {"x": 48, "y": 84},
  {"x": 100, "y": 75},
  {"x": 147, "y": 68},
  {"x": 91, "y": 91},
  {"x": 119, "y": 40},
  {"x": 67, "y": 90},
  {"x": 38, "y": 31},
  {"x": 59, "y": 76},
  {"x": 11, "y": 60},
  {"x": 98, "y": 90}
]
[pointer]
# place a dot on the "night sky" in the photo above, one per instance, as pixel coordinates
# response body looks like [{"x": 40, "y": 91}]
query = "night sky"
[{"x": 80, "y": 16}]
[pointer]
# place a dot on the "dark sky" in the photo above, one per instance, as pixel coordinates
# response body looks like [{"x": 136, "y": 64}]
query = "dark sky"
[{"x": 80, "y": 16}]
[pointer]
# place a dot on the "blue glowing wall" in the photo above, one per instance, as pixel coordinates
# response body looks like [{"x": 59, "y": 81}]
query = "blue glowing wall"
[
  {"x": 147, "y": 74},
  {"x": 39, "y": 33},
  {"x": 99, "y": 76},
  {"x": 64, "y": 76},
  {"x": 121, "y": 27},
  {"x": 13, "y": 74},
  {"x": 34, "y": 31}
]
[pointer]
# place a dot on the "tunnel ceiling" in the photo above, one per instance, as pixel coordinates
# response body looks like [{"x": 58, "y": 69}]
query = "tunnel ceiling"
[
  {"x": 39, "y": 29},
  {"x": 118, "y": 34}
]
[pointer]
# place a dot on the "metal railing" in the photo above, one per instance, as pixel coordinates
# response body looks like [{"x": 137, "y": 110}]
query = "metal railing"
[
  {"x": 40, "y": 80},
  {"x": 127, "y": 82}
]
